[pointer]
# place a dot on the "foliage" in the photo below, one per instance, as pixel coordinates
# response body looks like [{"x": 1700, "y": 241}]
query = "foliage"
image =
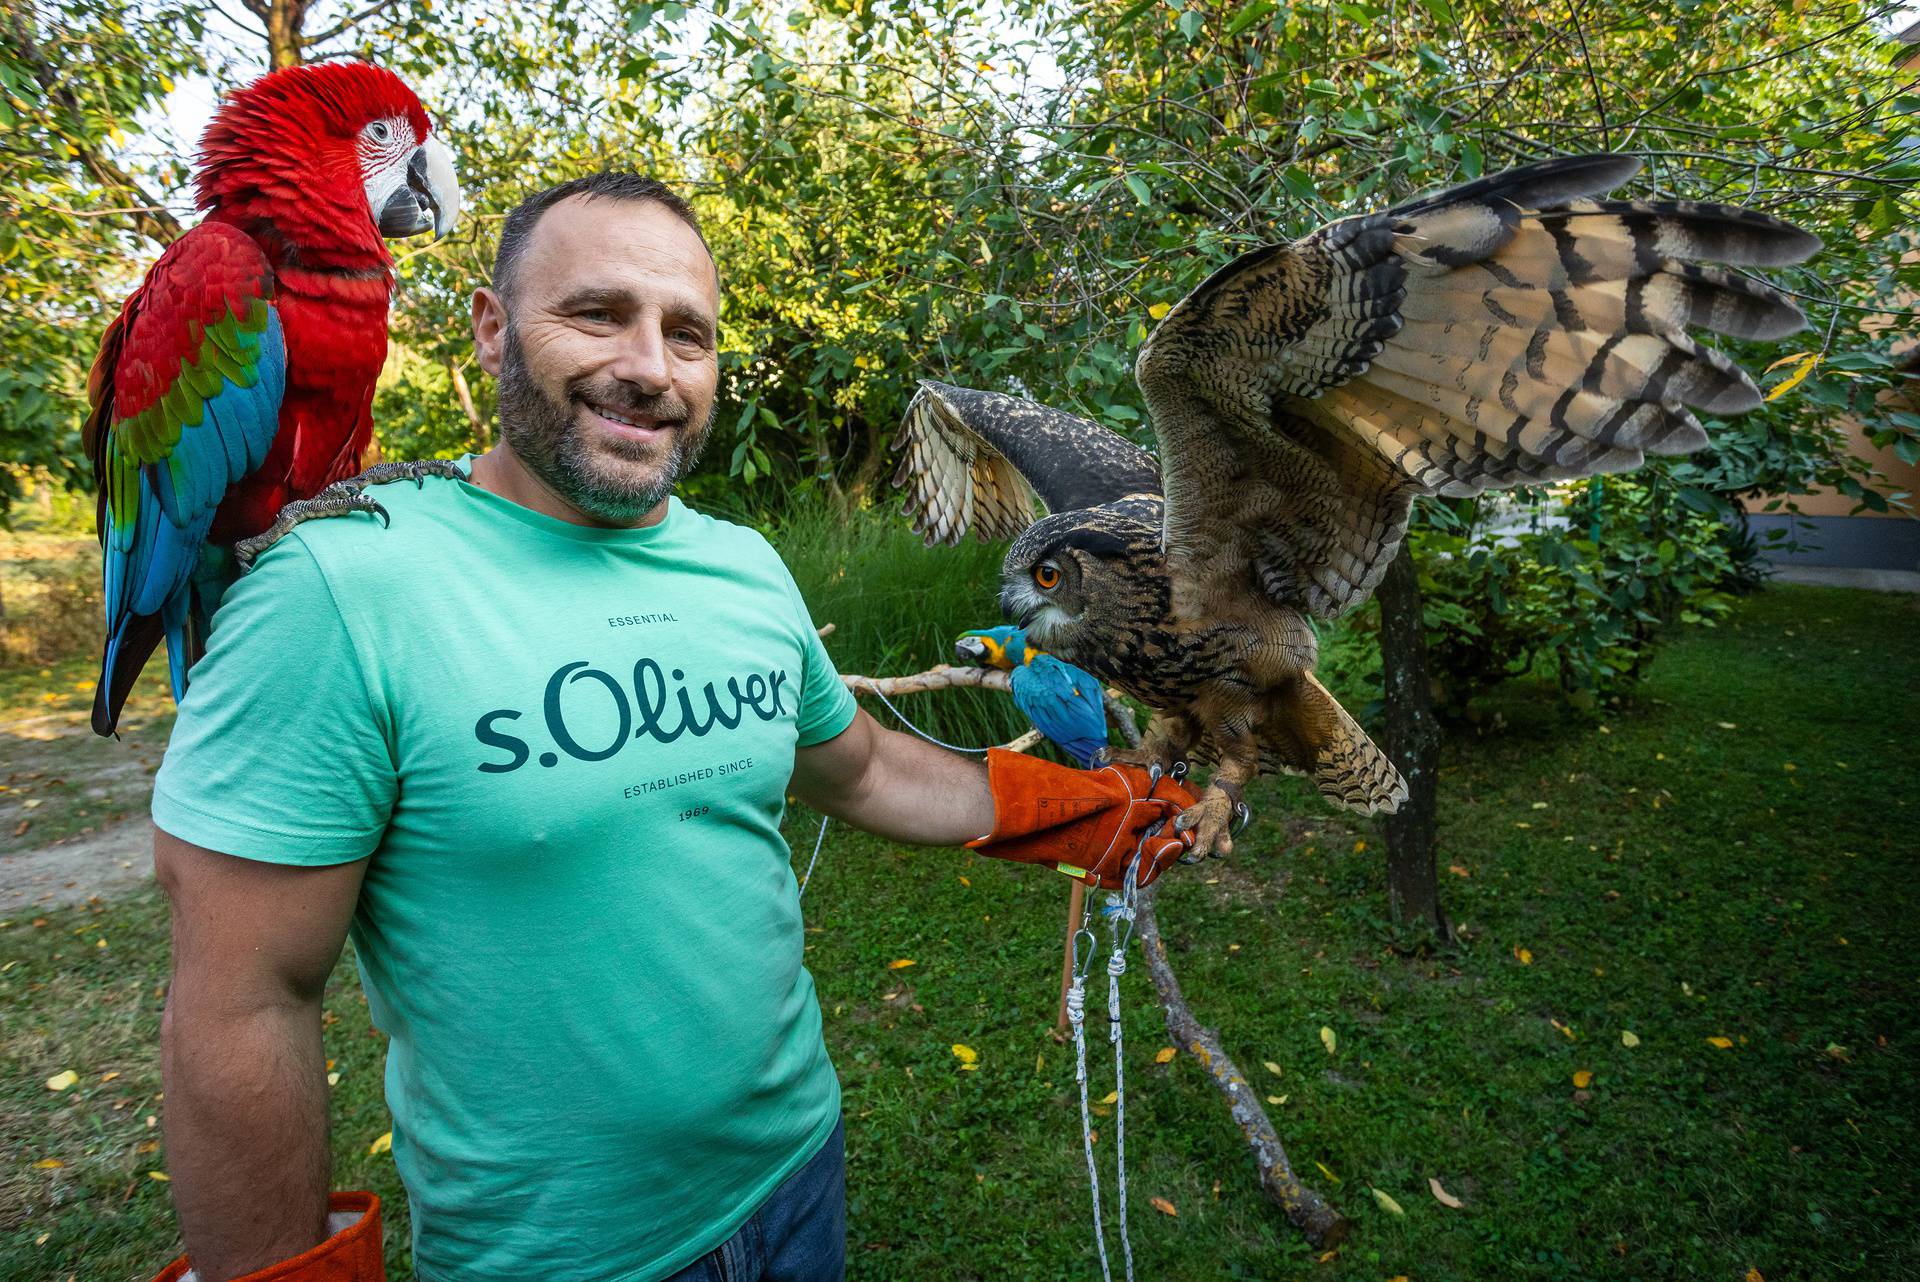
[
  {"x": 1688, "y": 887},
  {"x": 1579, "y": 585},
  {"x": 1002, "y": 194}
]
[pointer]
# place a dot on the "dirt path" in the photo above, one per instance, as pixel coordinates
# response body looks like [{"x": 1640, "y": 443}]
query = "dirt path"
[
  {"x": 112, "y": 862},
  {"x": 73, "y": 807}
]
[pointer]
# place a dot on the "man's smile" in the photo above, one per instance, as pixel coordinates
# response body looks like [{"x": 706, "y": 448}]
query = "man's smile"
[{"x": 630, "y": 424}]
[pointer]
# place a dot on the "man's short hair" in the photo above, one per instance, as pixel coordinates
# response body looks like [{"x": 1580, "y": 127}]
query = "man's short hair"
[{"x": 610, "y": 184}]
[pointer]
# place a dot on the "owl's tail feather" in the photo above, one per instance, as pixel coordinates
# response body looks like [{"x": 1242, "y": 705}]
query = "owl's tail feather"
[{"x": 1318, "y": 739}]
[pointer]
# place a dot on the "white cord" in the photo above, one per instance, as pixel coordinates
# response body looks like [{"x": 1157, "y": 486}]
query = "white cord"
[
  {"x": 1077, "y": 1016},
  {"x": 951, "y": 747},
  {"x": 817, "y": 843}
]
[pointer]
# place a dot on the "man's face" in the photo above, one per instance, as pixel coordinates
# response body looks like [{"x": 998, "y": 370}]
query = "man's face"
[{"x": 605, "y": 353}]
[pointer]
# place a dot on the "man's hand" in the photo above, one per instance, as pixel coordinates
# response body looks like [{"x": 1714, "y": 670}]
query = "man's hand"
[
  {"x": 240, "y": 1051},
  {"x": 1086, "y": 821}
]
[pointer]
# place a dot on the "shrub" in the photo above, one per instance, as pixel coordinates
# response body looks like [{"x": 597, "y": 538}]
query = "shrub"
[{"x": 1582, "y": 595}]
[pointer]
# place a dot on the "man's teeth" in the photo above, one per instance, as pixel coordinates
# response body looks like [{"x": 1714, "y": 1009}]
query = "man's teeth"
[{"x": 626, "y": 422}]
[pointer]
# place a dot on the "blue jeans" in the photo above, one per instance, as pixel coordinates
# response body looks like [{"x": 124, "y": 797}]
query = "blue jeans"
[{"x": 799, "y": 1234}]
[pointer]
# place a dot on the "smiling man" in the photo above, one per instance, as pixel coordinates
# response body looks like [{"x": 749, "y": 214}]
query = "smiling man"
[{"x": 531, "y": 743}]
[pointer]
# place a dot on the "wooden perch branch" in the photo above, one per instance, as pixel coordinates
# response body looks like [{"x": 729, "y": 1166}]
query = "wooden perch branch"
[
  {"x": 1309, "y": 1212},
  {"x": 936, "y": 678},
  {"x": 1319, "y": 1222}
]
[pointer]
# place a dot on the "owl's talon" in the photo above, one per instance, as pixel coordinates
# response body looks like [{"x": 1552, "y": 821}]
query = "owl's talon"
[
  {"x": 1242, "y": 816},
  {"x": 1210, "y": 820}
]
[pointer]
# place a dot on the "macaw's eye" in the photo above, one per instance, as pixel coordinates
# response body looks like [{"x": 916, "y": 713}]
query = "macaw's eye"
[
  {"x": 1047, "y": 575},
  {"x": 379, "y": 131}
]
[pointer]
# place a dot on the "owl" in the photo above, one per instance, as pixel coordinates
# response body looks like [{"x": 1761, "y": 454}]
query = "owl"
[{"x": 1515, "y": 330}]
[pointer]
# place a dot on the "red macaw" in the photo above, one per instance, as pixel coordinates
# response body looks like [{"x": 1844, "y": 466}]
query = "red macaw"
[{"x": 240, "y": 375}]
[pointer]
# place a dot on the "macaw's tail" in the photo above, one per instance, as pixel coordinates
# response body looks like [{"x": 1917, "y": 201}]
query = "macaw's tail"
[
  {"x": 1083, "y": 750},
  {"x": 1313, "y": 735},
  {"x": 132, "y": 644}
]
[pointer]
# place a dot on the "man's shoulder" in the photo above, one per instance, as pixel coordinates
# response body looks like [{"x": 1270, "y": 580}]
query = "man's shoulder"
[
  {"x": 728, "y": 538},
  {"x": 414, "y": 518}
]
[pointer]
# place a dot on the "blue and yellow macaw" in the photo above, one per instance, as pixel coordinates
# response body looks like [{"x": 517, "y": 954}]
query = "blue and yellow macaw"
[{"x": 1063, "y": 702}]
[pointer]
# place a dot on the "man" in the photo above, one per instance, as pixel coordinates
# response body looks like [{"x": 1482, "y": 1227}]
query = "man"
[{"x": 531, "y": 742}]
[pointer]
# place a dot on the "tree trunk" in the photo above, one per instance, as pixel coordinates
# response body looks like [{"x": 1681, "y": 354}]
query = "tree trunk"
[
  {"x": 1412, "y": 740},
  {"x": 285, "y": 18}
]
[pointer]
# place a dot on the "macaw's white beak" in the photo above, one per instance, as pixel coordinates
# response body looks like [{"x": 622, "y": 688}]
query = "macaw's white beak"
[{"x": 430, "y": 198}]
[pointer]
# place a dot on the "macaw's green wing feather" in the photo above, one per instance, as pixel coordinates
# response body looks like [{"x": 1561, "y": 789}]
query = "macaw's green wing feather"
[
  {"x": 186, "y": 401},
  {"x": 973, "y": 460}
]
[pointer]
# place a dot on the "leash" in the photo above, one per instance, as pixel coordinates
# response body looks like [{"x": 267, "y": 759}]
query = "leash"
[{"x": 1120, "y": 911}]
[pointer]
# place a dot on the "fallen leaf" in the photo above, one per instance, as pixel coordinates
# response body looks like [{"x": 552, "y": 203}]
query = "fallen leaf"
[
  {"x": 1324, "y": 1171},
  {"x": 1525, "y": 956},
  {"x": 1441, "y": 1195},
  {"x": 901, "y": 964},
  {"x": 1753, "y": 1275},
  {"x": 1359, "y": 847},
  {"x": 1629, "y": 1039},
  {"x": 1582, "y": 1079},
  {"x": 333, "y": 1079},
  {"x": 1724, "y": 1043},
  {"x": 1728, "y": 725},
  {"x": 967, "y": 1056},
  {"x": 382, "y": 1145},
  {"x": 61, "y": 1081},
  {"x": 1458, "y": 871},
  {"x": 1387, "y": 1204},
  {"x": 965, "y": 882},
  {"x": 1276, "y": 1100},
  {"x": 1111, "y": 1097},
  {"x": 108, "y": 1077},
  {"x": 1328, "y": 1040},
  {"x": 1164, "y": 1055},
  {"x": 162, "y": 1176},
  {"x": 1272, "y": 1067},
  {"x": 48, "y": 1164},
  {"x": 1163, "y": 1206}
]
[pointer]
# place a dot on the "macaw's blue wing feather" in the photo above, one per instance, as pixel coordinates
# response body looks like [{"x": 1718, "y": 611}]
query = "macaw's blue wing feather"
[
  {"x": 1064, "y": 704},
  {"x": 186, "y": 403}
]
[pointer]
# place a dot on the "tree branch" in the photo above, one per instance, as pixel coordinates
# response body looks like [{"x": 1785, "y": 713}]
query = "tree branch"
[
  {"x": 348, "y": 23},
  {"x": 1308, "y": 1211}
]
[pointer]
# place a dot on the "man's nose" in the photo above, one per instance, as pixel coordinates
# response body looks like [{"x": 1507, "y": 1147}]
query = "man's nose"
[{"x": 642, "y": 360}]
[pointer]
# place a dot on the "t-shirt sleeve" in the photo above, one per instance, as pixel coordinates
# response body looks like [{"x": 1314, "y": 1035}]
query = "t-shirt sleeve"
[
  {"x": 279, "y": 752},
  {"x": 826, "y": 706}
]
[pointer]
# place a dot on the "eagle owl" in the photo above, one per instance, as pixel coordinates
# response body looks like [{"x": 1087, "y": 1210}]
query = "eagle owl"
[{"x": 1515, "y": 330}]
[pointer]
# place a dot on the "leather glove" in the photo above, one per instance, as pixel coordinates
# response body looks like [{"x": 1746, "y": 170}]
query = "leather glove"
[
  {"x": 1086, "y": 823},
  {"x": 352, "y": 1253}
]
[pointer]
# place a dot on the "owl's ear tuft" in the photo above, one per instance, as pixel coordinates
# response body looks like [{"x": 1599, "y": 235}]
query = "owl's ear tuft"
[{"x": 1097, "y": 543}]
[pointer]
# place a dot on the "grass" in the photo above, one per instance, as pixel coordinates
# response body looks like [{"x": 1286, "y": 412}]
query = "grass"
[{"x": 1731, "y": 858}]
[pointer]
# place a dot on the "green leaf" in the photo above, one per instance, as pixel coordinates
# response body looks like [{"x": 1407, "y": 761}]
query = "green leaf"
[
  {"x": 1138, "y": 186},
  {"x": 1249, "y": 15}
]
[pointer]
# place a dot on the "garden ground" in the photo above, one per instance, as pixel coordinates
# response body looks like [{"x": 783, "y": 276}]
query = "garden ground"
[{"x": 1676, "y": 1040}]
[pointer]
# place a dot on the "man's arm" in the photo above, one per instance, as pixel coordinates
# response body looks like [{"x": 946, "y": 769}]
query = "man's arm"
[
  {"x": 240, "y": 1051},
  {"x": 895, "y": 785}
]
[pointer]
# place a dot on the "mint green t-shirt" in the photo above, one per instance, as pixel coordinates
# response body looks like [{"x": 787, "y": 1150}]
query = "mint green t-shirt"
[{"x": 567, "y": 752}]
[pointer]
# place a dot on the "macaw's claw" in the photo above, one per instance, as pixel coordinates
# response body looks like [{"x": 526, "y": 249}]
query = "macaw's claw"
[{"x": 341, "y": 498}]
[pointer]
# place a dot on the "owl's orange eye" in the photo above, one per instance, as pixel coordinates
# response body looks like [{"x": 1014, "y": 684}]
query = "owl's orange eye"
[{"x": 1047, "y": 577}]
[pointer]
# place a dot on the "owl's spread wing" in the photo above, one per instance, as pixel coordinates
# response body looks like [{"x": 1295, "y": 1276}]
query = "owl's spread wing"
[
  {"x": 974, "y": 460},
  {"x": 1505, "y": 332}
]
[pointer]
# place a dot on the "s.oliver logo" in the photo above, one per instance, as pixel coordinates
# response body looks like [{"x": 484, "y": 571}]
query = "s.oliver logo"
[{"x": 652, "y": 705}]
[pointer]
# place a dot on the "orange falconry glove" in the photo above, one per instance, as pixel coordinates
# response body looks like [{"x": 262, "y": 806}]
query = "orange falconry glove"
[
  {"x": 1083, "y": 822},
  {"x": 352, "y": 1252}
]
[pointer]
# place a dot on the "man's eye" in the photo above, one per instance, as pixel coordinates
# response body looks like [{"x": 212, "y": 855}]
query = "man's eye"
[{"x": 598, "y": 315}]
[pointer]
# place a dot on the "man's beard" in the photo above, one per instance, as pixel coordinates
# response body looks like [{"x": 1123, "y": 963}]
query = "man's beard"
[{"x": 547, "y": 436}]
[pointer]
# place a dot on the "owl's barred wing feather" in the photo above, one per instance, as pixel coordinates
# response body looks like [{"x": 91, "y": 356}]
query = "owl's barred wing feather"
[
  {"x": 1506, "y": 332},
  {"x": 973, "y": 460}
]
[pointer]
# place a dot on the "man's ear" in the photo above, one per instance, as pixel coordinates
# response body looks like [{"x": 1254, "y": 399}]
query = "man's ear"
[{"x": 489, "y": 330}]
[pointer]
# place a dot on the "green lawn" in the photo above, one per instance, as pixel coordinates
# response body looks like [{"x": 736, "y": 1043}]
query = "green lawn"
[{"x": 1732, "y": 858}]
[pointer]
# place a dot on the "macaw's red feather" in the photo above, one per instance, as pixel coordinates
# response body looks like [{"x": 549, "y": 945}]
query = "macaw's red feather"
[
  {"x": 211, "y": 272},
  {"x": 281, "y": 160}
]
